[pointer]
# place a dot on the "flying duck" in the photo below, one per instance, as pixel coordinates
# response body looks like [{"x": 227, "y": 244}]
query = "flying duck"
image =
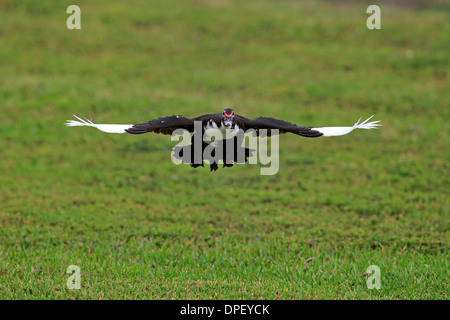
[{"x": 226, "y": 122}]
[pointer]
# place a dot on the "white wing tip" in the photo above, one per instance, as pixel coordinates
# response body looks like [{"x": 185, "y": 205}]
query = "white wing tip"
[
  {"x": 368, "y": 125},
  {"x": 80, "y": 122},
  {"x": 340, "y": 131},
  {"x": 109, "y": 128}
]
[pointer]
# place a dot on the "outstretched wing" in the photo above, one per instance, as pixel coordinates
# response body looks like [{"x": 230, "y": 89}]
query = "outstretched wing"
[
  {"x": 283, "y": 126},
  {"x": 165, "y": 125},
  {"x": 311, "y": 132}
]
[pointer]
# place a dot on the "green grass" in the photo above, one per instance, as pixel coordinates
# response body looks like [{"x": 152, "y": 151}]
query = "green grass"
[{"x": 140, "y": 227}]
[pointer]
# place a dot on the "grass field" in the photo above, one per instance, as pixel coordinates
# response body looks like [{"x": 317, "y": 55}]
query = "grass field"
[{"x": 140, "y": 227}]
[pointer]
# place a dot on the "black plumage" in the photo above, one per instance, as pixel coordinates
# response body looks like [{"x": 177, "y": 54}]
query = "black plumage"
[
  {"x": 186, "y": 154},
  {"x": 167, "y": 125}
]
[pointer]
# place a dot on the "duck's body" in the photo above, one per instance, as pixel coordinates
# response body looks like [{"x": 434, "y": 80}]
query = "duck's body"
[{"x": 227, "y": 123}]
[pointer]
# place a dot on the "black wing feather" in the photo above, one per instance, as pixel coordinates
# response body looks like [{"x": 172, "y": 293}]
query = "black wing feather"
[
  {"x": 216, "y": 117},
  {"x": 164, "y": 125},
  {"x": 283, "y": 126}
]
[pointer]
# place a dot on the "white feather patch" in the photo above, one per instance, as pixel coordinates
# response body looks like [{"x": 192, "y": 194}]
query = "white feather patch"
[
  {"x": 340, "y": 131},
  {"x": 109, "y": 128}
]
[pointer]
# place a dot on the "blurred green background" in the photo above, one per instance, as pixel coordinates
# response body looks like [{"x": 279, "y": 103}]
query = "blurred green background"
[{"x": 140, "y": 227}]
